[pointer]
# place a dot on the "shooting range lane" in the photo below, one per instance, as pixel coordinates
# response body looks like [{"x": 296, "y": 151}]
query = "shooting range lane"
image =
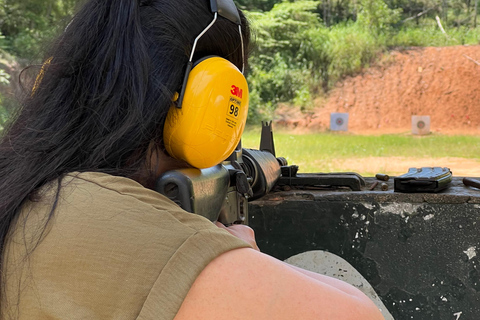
[{"x": 418, "y": 250}]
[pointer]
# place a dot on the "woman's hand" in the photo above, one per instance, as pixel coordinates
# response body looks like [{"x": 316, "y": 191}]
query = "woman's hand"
[{"x": 241, "y": 231}]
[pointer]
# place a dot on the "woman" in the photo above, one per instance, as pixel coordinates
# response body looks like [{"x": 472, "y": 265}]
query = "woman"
[{"x": 84, "y": 236}]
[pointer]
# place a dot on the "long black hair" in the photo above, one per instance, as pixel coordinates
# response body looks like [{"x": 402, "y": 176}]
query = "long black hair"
[{"x": 104, "y": 96}]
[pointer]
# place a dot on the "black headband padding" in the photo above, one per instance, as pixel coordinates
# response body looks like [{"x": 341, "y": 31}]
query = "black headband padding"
[{"x": 227, "y": 9}]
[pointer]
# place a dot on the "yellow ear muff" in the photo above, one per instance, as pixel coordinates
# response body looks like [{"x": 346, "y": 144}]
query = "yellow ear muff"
[{"x": 209, "y": 124}]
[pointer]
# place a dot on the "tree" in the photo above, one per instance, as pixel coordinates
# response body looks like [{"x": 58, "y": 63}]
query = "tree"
[
  {"x": 256, "y": 5},
  {"x": 25, "y": 24},
  {"x": 376, "y": 15},
  {"x": 288, "y": 58}
]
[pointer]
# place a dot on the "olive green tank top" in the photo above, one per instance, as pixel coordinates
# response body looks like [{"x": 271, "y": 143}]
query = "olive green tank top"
[{"x": 112, "y": 250}]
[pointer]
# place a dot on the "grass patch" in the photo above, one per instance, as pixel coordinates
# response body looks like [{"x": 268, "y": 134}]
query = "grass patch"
[
  {"x": 430, "y": 35},
  {"x": 327, "y": 152}
]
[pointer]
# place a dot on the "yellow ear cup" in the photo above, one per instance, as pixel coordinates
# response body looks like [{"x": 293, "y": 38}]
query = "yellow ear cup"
[{"x": 210, "y": 123}]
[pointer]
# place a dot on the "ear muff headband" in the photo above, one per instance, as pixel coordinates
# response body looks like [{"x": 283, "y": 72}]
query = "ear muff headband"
[
  {"x": 228, "y": 10},
  {"x": 208, "y": 127}
]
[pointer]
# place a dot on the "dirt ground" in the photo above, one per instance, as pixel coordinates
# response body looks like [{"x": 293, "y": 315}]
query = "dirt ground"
[
  {"x": 443, "y": 83},
  {"x": 396, "y": 166}
]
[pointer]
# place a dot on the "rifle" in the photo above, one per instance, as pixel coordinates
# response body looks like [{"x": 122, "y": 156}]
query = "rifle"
[{"x": 221, "y": 193}]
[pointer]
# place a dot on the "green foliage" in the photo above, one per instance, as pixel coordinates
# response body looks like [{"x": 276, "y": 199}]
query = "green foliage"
[
  {"x": 376, "y": 16},
  {"x": 30, "y": 43},
  {"x": 28, "y": 24},
  {"x": 283, "y": 28},
  {"x": 286, "y": 62},
  {"x": 4, "y": 77},
  {"x": 432, "y": 36},
  {"x": 7, "y": 101},
  {"x": 297, "y": 57},
  {"x": 4, "y": 113},
  {"x": 256, "y": 5},
  {"x": 349, "y": 49},
  {"x": 301, "y": 47}
]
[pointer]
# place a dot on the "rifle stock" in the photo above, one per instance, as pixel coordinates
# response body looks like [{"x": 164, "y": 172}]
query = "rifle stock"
[{"x": 222, "y": 192}]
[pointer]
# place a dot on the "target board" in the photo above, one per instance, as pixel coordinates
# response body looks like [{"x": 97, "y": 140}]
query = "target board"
[
  {"x": 339, "y": 121},
  {"x": 421, "y": 125}
]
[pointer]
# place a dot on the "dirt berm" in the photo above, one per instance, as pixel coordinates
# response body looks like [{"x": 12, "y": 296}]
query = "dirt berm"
[{"x": 443, "y": 83}]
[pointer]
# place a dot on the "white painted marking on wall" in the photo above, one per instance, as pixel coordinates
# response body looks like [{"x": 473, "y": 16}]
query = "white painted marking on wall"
[
  {"x": 402, "y": 209},
  {"x": 471, "y": 252},
  {"x": 368, "y": 206},
  {"x": 428, "y": 217}
]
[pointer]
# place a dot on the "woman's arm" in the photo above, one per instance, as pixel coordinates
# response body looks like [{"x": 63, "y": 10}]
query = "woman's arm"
[
  {"x": 247, "y": 234},
  {"x": 246, "y": 284}
]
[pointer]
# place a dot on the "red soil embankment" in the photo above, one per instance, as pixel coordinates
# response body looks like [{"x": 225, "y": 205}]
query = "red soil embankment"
[{"x": 443, "y": 83}]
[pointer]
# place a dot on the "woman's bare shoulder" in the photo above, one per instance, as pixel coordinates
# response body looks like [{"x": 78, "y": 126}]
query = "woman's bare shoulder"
[{"x": 246, "y": 284}]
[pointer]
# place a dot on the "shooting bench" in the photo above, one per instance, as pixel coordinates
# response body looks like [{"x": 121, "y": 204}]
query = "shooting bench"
[{"x": 418, "y": 250}]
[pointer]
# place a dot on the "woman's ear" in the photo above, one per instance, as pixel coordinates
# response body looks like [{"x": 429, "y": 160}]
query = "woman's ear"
[
  {"x": 159, "y": 161},
  {"x": 156, "y": 163}
]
